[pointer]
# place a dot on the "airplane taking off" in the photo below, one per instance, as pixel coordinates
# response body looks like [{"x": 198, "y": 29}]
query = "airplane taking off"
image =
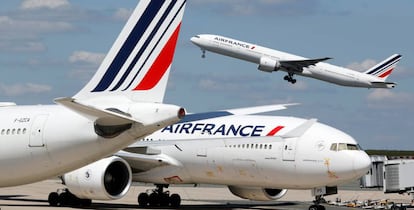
[
  {"x": 121, "y": 103},
  {"x": 270, "y": 60},
  {"x": 258, "y": 157}
]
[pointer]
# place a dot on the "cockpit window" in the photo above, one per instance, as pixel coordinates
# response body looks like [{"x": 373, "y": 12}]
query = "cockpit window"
[
  {"x": 334, "y": 147},
  {"x": 344, "y": 146}
]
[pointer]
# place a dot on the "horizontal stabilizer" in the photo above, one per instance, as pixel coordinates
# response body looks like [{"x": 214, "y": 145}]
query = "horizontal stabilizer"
[
  {"x": 300, "y": 130},
  {"x": 102, "y": 116},
  {"x": 259, "y": 109}
]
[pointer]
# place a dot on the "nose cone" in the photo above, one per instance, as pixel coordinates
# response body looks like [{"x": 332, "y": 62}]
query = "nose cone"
[
  {"x": 362, "y": 163},
  {"x": 196, "y": 40}
]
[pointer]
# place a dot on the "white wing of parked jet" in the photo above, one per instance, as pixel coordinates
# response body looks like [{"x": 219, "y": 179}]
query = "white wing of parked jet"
[{"x": 259, "y": 109}]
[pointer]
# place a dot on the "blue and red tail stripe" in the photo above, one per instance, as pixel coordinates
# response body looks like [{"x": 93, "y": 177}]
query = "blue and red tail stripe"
[
  {"x": 385, "y": 69},
  {"x": 127, "y": 49},
  {"x": 140, "y": 27}
]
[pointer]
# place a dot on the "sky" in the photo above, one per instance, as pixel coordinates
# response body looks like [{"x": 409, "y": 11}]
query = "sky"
[{"x": 51, "y": 48}]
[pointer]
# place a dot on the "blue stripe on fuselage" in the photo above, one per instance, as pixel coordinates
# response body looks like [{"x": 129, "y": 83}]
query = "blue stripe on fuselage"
[
  {"x": 129, "y": 45},
  {"x": 204, "y": 116}
]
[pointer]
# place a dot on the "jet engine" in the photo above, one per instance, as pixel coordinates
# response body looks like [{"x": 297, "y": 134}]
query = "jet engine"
[
  {"x": 106, "y": 179},
  {"x": 268, "y": 64},
  {"x": 257, "y": 193}
]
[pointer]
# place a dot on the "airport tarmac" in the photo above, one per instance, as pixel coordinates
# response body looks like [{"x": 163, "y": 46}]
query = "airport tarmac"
[{"x": 34, "y": 196}]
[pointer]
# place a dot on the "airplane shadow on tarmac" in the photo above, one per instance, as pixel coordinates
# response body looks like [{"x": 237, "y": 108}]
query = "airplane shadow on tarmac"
[{"x": 212, "y": 204}]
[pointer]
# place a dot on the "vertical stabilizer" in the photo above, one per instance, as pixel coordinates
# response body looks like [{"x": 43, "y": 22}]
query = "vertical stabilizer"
[
  {"x": 138, "y": 64},
  {"x": 385, "y": 68}
]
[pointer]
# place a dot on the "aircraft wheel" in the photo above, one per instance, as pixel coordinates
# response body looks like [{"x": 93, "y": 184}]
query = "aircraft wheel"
[
  {"x": 143, "y": 199},
  {"x": 53, "y": 199},
  {"x": 153, "y": 199},
  {"x": 86, "y": 202},
  {"x": 164, "y": 199},
  {"x": 286, "y": 78},
  {"x": 317, "y": 207},
  {"x": 63, "y": 199},
  {"x": 293, "y": 81},
  {"x": 175, "y": 200}
]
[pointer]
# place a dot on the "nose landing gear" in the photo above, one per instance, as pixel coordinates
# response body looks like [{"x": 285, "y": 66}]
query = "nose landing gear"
[{"x": 316, "y": 206}]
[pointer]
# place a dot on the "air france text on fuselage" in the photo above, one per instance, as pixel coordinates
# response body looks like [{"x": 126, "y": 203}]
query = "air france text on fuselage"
[
  {"x": 215, "y": 129},
  {"x": 232, "y": 42}
]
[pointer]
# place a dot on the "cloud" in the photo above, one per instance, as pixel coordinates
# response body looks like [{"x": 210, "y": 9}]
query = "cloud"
[
  {"x": 264, "y": 7},
  {"x": 21, "y": 46},
  {"x": 85, "y": 64},
  {"x": 20, "y": 28},
  {"x": 86, "y": 57},
  {"x": 390, "y": 99},
  {"x": 363, "y": 65},
  {"x": 44, "y": 4},
  {"x": 388, "y": 95},
  {"x": 22, "y": 89},
  {"x": 122, "y": 14}
]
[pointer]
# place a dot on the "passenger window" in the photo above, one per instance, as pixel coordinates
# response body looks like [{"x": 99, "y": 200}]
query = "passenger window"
[
  {"x": 2, "y": 131},
  {"x": 334, "y": 147},
  {"x": 18, "y": 131},
  {"x": 270, "y": 146},
  {"x": 265, "y": 146},
  {"x": 8, "y": 131},
  {"x": 24, "y": 130}
]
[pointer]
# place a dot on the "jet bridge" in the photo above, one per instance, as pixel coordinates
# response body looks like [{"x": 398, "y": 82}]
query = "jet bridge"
[{"x": 393, "y": 176}]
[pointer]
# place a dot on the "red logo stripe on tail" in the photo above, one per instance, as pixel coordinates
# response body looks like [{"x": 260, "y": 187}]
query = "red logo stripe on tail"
[
  {"x": 385, "y": 74},
  {"x": 161, "y": 64}
]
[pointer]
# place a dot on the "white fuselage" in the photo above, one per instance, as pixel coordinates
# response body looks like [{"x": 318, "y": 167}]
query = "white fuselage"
[
  {"x": 253, "y": 53},
  {"x": 39, "y": 142},
  {"x": 259, "y": 161}
]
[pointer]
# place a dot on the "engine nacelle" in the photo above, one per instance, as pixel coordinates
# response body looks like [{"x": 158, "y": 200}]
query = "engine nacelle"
[
  {"x": 257, "y": 193},
  {"x": 106, "y": 179},
  {"x": 268, "y": 64}
]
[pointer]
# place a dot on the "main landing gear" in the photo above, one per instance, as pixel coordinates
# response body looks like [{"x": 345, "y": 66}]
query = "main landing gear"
[
  {"x": 65, "y": 198},
  {"x": 289, "y": 78},
  {"x": 316, "y": 206},
  {"x": 159, "y": 198}
]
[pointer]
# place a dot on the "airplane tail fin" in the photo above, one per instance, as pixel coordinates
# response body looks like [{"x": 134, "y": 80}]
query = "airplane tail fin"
[
  {"x": 138, "y": 64},
  {"x": 384, "y": 68}
]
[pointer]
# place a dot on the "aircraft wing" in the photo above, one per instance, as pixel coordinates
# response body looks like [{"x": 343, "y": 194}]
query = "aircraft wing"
[
  {"x": 259, "y": 109},
  {"x": 298, "y": 65}
]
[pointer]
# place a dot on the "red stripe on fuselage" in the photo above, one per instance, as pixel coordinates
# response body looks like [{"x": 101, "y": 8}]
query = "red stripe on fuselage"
[
  {"x": 161, "y": 64},
  {"x": 275, "y": 130}
]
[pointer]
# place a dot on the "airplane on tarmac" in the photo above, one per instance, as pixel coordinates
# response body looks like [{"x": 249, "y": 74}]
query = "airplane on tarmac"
[
  {"x": 270, "y": 60},
  {"x": 258, "y": 157},
  {"x": 120, "y": 104}
]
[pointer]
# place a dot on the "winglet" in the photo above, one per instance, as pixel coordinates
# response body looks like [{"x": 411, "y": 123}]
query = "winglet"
[{"x": 300, "y": 130}]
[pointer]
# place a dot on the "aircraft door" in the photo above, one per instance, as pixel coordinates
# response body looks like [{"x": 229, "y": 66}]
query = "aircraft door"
[
  {"x": 289, "y": 149},
  {"x": 36, "y": 131}
]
